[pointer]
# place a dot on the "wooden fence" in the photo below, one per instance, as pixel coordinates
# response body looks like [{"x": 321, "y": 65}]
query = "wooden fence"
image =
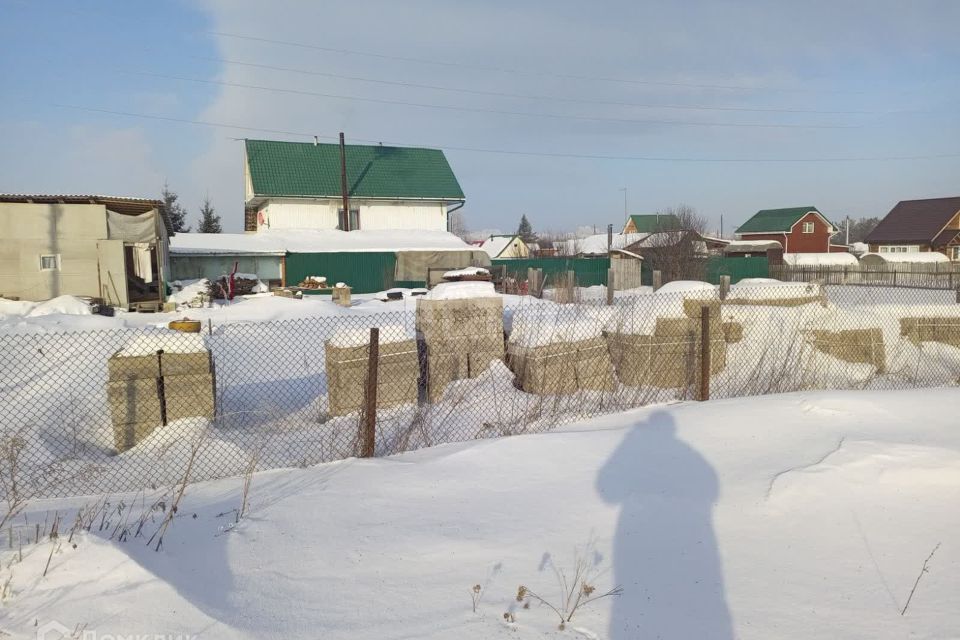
[{"x": 943, "y": 277}]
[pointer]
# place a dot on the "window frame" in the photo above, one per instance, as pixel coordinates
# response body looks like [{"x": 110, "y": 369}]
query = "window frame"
[
  {"x": 809, "y": 227},
  {"x": 354, "y": 221},
  {"x": 56, "y": 261}
]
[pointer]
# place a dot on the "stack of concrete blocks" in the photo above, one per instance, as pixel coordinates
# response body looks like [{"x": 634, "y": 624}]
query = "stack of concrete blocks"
[
  {"x": 348, "y": 365},
  {"x": 461, "y": 339},
  {"x": 563, "y": 367},
  {"x": 146, "y": 391},
  {"x": 670, "y": 357}
]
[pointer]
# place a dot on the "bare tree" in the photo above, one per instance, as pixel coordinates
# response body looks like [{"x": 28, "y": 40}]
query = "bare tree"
[{"x": 677, "y": 248}]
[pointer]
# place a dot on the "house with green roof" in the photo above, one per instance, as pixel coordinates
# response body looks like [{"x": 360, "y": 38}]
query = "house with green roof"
[
  {"x": 651, "y": 223},
  {"x": 297, "y": 185},
  {"x": 797, "y": 229}
]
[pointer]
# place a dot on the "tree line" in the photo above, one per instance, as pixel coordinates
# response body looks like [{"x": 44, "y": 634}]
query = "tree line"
[{"x": 209, "y": 220}]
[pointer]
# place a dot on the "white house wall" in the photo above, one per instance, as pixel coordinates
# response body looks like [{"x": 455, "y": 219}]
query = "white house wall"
[{"x": 323, "y": 214}]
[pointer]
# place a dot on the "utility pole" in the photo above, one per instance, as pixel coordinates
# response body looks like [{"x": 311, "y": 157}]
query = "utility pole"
[
  {"x": 625, "y": 216},
  {"x": 721, "y": 225},
  {"x": 343, "y": 185},
  {"x": 848, "y": 230}
]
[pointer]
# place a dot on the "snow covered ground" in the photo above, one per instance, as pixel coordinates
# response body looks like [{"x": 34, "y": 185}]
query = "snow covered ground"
[{"x": 805, "y": 516}]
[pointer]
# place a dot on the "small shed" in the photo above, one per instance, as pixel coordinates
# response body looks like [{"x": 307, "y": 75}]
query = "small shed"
[
  {"x": 506, "y": 247},
  {"x": 627, "y": 269}
]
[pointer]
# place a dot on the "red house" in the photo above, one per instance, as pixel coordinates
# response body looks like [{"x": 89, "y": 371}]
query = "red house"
[{"x": 798, "y": 229}]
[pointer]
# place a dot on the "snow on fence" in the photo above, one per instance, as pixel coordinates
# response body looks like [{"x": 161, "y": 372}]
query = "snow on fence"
[{"x": 299, "y": 392}]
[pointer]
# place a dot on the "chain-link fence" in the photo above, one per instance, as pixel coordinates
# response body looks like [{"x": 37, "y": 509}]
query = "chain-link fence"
[{"x": 104, "y": 411}]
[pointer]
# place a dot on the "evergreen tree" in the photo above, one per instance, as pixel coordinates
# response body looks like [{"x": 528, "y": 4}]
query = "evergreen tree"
[
  {"x": 525, "y": 230},
  {"x": 209, "y": 220},
  {"x": 175, "y": 211}
]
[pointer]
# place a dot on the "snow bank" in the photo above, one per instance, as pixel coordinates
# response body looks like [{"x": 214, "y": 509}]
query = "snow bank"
[
  {"x": 64, "y": 305},
  {"x": 402, "y": 292},
  {"x": 15, "y": 307},
  {"x": 186, "y": 291},
  {"x": 538, "y": 325},
  {"x": 842, "y": 493},
  {"x": 462, "y": 290},
  {"x": 767, "y": 289},
  {"x": 687, "y": 286}
]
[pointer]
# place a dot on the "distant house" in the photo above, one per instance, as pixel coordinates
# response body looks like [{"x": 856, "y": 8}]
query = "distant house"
[
  {"x": 507, "y": 246},
  {"x": 295, "y": 185},
  {"x": 651, "y": 222},
  {"x": 797, "y": 229},
  {"x": 107, "y": 247},
  {"x": 919, "y": 225}
]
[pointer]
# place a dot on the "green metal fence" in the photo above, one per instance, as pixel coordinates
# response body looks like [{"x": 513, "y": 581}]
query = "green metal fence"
[
  {"x": 364, "y": 272},
  {"x": 737, "y": 268},
  {"x": 588, "y": 271}
]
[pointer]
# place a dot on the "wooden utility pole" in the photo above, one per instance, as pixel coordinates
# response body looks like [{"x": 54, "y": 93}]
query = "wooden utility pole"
[
  {"x": 343, "y": 185},
  {"x": 369, "y": 434}
]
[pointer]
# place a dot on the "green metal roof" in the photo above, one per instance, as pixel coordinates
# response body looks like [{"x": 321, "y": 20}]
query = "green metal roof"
[
  {"x": 776, "y": 220},
  {"x": 304, "y": 169},
  {"x": 651, "y": 222}
]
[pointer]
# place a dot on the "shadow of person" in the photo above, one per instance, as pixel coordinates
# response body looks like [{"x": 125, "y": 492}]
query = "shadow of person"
[{"x": 665, "y": 554}]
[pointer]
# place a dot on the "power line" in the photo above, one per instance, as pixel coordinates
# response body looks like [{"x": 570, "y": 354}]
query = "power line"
[
  {"x": 500, "y": 94},
  {"x": 528, "y": 114},
  {"x": 543, "y": 154},
  {"x": 450, "y": 63}
]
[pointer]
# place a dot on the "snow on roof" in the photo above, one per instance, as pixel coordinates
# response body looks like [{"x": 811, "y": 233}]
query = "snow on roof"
[
  {"x": 841, "y": 259},
  {"x": 909, "y": 256},
  {"x": 597, "y": 244},
  {"x": 278, "y": 242},
  {"x": 741, "y": 246},
  {"x": 494, "y": 245}
]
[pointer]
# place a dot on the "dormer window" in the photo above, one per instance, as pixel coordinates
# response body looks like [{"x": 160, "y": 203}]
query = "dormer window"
[{"x": 808, "y": 227}]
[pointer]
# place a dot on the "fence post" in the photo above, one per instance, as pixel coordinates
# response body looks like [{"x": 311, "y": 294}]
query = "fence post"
[
  {"x": 724, "y": 287},
  {"x": 540, "y": 282},
  {"x": 531, "y": 281},
  {"x": 657, "y": 279},
  {"x": 369, "y": 434},
  {"x": 704, "y": 353},
  {"x": 611, "y": 285}
]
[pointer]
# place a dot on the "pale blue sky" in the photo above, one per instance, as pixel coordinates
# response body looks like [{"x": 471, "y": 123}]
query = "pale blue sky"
[{"x": 827, "y": 80}]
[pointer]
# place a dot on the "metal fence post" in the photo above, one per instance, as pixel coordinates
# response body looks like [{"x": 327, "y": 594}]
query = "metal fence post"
[
  {"x": 611, "y": 285},
  {"x": 657, "y": 279},
  {"x": 704, "y": 353},
  {"x": 369, "y": 434}
]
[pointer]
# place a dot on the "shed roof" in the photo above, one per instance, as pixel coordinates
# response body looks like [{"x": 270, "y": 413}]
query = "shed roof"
[
  {"x": 120, "y": 204},
  {"x": 303, "y": 169},
  {"x": 650, "y": 222},
  {"x": 915, "y": 221},
  {"x": 777, "y": 220},
  {"x": 495, "y": 245}
]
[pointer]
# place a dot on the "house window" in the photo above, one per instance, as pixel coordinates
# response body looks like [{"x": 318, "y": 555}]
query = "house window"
[
  {"x": 910, "y": 248},
  {"x": 808, "y": 227},
  {"x": 955, "y": 253},
  {"x": 354, "y": 220},
  {"x": 50, "y": 262}
]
